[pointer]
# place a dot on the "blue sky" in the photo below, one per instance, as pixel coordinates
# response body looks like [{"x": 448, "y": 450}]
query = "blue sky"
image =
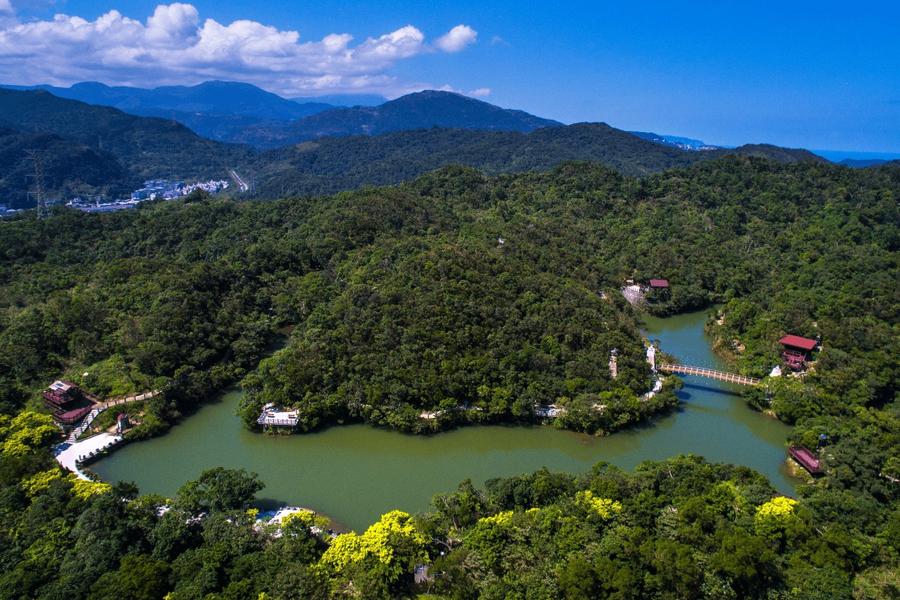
[{"x": 822, "y": 75}]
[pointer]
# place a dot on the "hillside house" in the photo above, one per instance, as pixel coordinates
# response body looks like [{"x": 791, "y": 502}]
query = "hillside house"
[
  {"x": 67, "y": 402},
  {"x": 796, "y": 351}
]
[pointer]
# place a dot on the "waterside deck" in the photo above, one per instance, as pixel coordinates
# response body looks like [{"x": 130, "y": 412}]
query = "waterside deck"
[{"x": 274, "y": 417}]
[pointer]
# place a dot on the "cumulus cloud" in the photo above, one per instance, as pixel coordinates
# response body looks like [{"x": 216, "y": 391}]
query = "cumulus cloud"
[
  {"x": 5, "y": 6},
  {"x": 480, "y": 92},
  {"x": 175, "y": 46},
  {"x": 456, "y": 39}
]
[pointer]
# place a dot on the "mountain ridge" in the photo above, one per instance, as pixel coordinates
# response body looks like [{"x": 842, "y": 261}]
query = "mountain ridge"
[
  {"x": 126, "y": 149},
  {"x": 420, "y": 110},
  {"x": 329, "y": 165}
]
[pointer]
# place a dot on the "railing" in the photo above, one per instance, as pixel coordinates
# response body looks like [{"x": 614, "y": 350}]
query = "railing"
[
  {"x": 73, "y": 437},
  {"x": 290, "y": 422},
  {"x": 116, "y": 401},
  {"x": 710, "y": 373}
]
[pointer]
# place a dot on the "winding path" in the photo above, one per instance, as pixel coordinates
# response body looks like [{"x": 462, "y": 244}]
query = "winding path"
[{"x": 73, "y": 452}]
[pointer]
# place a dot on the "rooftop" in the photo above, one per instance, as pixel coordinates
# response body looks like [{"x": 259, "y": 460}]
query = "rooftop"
[
  {"x": 795, "y": 341},
  {"x": 659, "y": 283},
  {"x": 61, "y": 386}
]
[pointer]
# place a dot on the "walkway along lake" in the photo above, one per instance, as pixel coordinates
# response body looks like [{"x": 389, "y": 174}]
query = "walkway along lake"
[{"x": 355, "y": 473}]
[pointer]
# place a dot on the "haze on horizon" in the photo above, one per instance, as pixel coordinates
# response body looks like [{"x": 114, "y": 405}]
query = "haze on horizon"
[{"x": 816, "y": 75}]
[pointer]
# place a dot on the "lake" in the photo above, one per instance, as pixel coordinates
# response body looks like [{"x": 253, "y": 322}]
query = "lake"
[{"x": 355, "y": 473}]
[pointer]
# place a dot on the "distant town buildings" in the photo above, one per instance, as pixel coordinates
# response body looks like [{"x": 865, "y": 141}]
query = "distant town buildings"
[{"x": 154, "y": 189}]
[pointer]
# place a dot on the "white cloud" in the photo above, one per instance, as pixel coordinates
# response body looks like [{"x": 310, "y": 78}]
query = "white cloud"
[
  {"x": 175, "y": 46},
  {"x": 480, "y": 92},
  {"x": 456, "y": 39},
  {"x": 173, "y": 24}
]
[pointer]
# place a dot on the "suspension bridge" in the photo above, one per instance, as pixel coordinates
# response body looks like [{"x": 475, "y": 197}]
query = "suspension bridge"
[{"x": 709, "y": 373}]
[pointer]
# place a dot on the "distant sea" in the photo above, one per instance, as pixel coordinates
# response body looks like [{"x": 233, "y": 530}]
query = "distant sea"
[{"x": 839, "y": 155}]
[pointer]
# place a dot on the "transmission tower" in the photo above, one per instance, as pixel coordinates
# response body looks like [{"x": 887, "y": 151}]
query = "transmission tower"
[{"x": 42, "y": 209}]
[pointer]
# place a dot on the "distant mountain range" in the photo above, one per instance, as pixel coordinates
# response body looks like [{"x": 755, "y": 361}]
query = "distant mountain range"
[
  {"x": 88, "y": 149},
  {"x": 421, "y": 110},
  {"x": 243, "y": 113},
  {"x": 344, "y": 99},
  {"x": 218, "y": 110},
  {"x": 212, "y": 98}
]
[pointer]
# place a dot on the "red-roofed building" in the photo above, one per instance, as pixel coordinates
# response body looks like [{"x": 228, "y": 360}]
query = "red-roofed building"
[
  {"x": 659, "y": 284},
  {"x": 61, "y": 394},
  {"x": 797, "y": 350},
  {"x": 68, "y": 403}
]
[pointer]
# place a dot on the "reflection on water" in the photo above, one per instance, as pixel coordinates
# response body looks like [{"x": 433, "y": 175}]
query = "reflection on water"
[{"x": 354, "y": 473}]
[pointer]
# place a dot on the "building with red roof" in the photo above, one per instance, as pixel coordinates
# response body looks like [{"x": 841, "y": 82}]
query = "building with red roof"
[
  {"x": 800, "y": 343},
  {"x": 68, "y": 403},
  {"x": 659, "y": 284},
  {"x": 796, "y": 350}
]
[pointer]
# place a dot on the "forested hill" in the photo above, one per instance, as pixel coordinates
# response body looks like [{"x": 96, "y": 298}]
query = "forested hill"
[
  {"x": 143, "y": 147},
  {"x": 70, "y": 168},
  {"x": 421, "y": 110},
  {"x": 475, "y": 298},
  {"x": 330, "y": 165}
]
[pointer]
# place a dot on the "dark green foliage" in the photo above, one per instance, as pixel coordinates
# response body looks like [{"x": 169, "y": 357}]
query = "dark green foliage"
[
  {"x": 219, "y": 490},
  {"x": 69, "y": 168},
  {"x": 701, "y": 540},
  {"x": 332, "y": 164},
  {"x": 139, "y": 577}
]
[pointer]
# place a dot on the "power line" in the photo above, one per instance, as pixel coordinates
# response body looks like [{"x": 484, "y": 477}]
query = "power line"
[{"x": 35, "y": 157}]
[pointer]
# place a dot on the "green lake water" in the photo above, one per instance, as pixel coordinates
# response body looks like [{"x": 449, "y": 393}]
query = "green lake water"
[{"x": 355, "y": 473}]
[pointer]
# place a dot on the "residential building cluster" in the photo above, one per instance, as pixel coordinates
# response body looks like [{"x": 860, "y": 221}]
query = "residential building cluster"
[{"x": 154, "y": 189}]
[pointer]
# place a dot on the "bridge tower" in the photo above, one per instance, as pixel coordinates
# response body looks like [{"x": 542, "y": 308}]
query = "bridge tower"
[
  {"x": 651, "y": 356},
  {"x": 614, "y": 363}
]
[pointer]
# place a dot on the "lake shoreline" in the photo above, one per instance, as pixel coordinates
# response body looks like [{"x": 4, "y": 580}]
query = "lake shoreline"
[{"x": 354, "y": 473}]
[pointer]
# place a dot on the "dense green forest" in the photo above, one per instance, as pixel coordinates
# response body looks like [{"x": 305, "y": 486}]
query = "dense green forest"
[
  {"x": 330, "y": 165},
  {"x": 461, "y": 291}
]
